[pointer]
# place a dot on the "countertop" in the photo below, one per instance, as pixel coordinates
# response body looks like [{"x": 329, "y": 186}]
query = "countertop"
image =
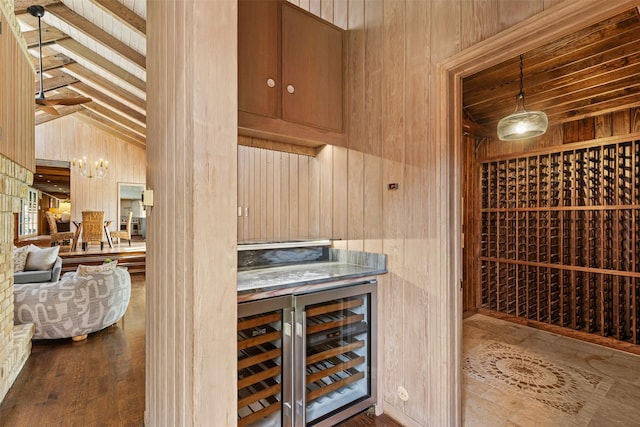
[{"x": 342, "y": 268}]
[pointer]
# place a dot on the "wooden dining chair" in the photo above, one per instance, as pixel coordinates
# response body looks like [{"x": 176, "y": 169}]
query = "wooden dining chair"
[
  {"x": 92, "y": 228},
  {"x": 58, "y": 238},
  {"x": 126, "y": 233}
]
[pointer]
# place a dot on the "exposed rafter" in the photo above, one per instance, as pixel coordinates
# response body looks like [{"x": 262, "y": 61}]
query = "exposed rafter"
[
  {"x": 52, "y": 62},
  {"x": 91, "y": 30},
  {"x": 110, "y": 103},
  {"x": 89, "y": 55},
  {"x": 123, "y": 14},
  {"x": 42, "y": 117},
  {"x": 49, "y": 35},
  {"x": 100, "y": 83},
  {"x": 111, "y": 128},
  {"x": 117, "y": 118},
  {"x": 57, "y": 82},
  {"x": 83, "y": 56},
  {"x": 110, "y": 114}
]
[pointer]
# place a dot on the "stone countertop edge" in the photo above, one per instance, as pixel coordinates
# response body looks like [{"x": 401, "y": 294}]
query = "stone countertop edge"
[{"x": 342, "y": 264}]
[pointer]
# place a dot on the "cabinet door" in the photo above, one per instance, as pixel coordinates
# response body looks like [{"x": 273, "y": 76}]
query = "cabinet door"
[
  {"x": 312, "y": 80},
  {"x": 258, "y": 62}
]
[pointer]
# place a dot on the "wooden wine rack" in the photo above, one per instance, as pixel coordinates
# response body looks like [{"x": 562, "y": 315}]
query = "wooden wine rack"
[
  {"x": 333, "y": 363},
  {"x": 560, "y": 238},
  {"x": 259, "y": 366}
]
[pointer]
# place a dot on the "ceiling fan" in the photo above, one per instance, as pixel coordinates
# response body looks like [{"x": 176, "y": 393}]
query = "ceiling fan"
[{"x": 47, "y": 105}]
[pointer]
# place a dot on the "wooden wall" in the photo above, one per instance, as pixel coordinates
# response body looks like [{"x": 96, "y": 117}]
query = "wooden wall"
[
  {"x": 277, "y": 194},
  {"x": 395, "y": 46},
  {"x": 16, "y": 95},
  {"x": 191, "y": 229},
  {"x": 16, "y": 173},
  {"x": 67, "y": 138}
]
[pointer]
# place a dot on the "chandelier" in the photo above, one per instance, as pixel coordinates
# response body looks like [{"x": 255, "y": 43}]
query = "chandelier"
[
  {"x": 522, "y": 124},
  {"x": 90, "y": 168}
]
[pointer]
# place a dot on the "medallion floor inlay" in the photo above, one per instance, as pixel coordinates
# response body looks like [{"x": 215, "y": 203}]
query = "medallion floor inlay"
[
  {"x": 520, "y": 376},
  {"x": 564, "y": 388}
]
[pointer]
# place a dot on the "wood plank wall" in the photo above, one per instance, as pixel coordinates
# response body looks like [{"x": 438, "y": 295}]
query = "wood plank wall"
[
  {"x": 67, "y": 138},
  {"x": 16, "y": 95},
  {"x": 394, "y": 48},
  {"x": 277, "y": 194},
  {"x": 191, "y": 230}
]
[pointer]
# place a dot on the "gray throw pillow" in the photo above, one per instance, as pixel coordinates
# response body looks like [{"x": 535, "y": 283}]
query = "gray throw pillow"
[
  {"x": 20, "y": 258},
  {"x": 41, "y": 258}
]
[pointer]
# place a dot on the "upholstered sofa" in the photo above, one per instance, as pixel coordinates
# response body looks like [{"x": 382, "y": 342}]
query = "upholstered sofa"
[
  {"x": 81, "y": 302},
  {"x": 34, "y": 276},
  {"x": 32, "y": 264}
]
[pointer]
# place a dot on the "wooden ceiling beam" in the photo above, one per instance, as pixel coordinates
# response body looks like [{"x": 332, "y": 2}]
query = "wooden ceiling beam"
[
  {"x": 54, "y": 83},
  {"x": 49, "y": 35},
  {"x": 100, "y": 83},
  {"x": 42, "y": 117},
  {"x": 21, "y": 5},
  {"x": 125, "y": 15},
  {"x": 52, "y": 62},
  {"x": 112, "y": 128},
  {"x": 110, "y": 103},
  {"x": 81, "y": 51},
  {"x": 116, "y": 118},
  {"x": 96, "y": 33}
]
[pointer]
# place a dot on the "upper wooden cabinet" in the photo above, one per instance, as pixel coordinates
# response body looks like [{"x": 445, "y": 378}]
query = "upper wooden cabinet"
[
  {"x": 290, "y": 74},
  {"x": 258, "y": 62}
]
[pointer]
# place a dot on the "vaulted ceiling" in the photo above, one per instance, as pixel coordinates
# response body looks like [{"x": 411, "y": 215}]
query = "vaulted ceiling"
[
  {"x": 593, "y": 71},
  {"x": 95, "y": 49}
]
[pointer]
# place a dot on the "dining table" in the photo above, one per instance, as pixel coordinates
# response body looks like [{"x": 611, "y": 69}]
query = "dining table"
[{"x": 76, "y": 235}]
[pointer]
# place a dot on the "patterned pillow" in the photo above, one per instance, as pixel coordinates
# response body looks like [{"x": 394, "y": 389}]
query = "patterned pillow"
[
  {"x": 89, "y": 270},
  {"x": 41, "y": 259},
  {"x": 20, "y": 258}
]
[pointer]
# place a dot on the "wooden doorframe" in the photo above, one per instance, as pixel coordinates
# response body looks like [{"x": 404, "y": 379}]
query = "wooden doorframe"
[{"x": 563, "y": 19}]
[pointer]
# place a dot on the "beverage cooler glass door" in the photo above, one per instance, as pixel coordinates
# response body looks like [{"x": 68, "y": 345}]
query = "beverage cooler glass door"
[
  {"x": 335, "y": 354},
  {"x": 264, "y": 362}
]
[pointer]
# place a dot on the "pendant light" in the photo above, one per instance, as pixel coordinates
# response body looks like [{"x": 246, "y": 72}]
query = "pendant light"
[{"x": 522, "y": 124}]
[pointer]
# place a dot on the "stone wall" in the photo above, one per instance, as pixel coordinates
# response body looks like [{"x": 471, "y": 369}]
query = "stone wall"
[{"x": 15, "y": 342}]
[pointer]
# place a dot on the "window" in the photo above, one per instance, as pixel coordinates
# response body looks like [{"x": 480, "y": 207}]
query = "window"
[{"x": 28, "y": 218}]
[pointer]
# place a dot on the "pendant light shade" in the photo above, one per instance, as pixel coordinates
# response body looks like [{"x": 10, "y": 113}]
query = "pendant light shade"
[{"x": 522, "y": 124}]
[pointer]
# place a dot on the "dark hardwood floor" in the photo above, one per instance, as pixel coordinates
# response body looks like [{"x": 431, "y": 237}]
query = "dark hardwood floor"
[{"x": 96, "y": 382}]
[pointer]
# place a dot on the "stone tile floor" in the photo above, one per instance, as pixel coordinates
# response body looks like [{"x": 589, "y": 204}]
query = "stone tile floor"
[{"x": 518, "y": 376}]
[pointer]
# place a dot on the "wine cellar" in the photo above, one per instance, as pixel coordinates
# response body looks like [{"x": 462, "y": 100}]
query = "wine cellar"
[{"x": 559, "y": 237}]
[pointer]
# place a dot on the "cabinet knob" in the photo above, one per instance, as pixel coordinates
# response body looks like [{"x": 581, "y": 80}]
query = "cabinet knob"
[
  {"x": 271, "y": 83},
  {"x": 291, "y": 89}
]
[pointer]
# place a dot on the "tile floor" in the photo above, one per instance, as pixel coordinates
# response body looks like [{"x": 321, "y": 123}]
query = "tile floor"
[{"x": 519, "y": 376}]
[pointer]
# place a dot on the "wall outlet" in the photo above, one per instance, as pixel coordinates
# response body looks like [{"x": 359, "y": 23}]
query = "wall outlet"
[{"x": 403, "y": 394}]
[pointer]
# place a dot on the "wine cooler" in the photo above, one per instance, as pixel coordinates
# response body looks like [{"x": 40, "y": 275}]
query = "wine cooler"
[{"x": 307, "y": 360}]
